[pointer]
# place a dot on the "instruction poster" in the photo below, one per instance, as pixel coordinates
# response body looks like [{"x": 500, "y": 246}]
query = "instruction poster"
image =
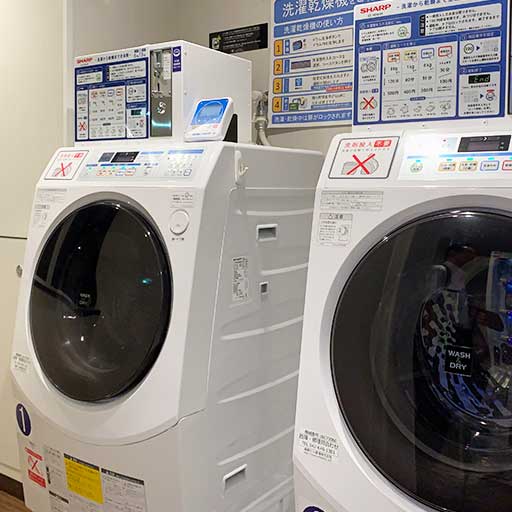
[
  {"x": 430, "y": 60},
  {"x": 312, "y": 62}
]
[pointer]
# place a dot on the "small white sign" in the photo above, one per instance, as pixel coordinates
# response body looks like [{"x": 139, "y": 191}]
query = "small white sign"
[
  {"x": 318, "y": 445},
  {"x": 65, "y": 165},
  {"x": 21, "y": 363},
  {"x": 334, "y": 228},
  {"x": 240, "y": 287}
]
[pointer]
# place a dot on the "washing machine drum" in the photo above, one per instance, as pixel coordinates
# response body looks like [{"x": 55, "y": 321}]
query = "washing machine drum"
[
  {"x": 421, "y": 354},
  {"x": 100, "y": 301}
]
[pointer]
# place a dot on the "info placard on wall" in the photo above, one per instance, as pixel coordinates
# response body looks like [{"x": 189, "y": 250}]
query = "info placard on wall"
[
  {"x": 312, "y": 62},
  {"x": 430, "y": 60}
]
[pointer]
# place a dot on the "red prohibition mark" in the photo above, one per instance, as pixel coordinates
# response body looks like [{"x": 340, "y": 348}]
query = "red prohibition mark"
[
  {"x": 63, "y": 169},
  {"x": 369, "y": 103},
  {"x": 35, "y": 462},
  {"x": 361, "y": 165}
]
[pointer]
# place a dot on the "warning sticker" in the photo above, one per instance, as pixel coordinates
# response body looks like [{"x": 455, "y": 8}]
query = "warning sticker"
[
  {"x": 65, "y": 165},
  {"x": 78, "y": 486},
  {"x": 366, "y": 157},
  {"x": 55, "y": 471},
  {"x": 58, "y": 503},
  {"x": 240, "y": 289},
  {"x": 352, "y": 200},
  {"x": 83, "y": 479},
  {"x": 51, "y": 195},
  {"x": 123, "y": 493},
  {"x": 45, "y": 199},
  {"x": 335, "y": 228},
  {"x": 35, "y": 467},
  {"x": 21, "y": 362},
  {"x": 319, "y": 445}
]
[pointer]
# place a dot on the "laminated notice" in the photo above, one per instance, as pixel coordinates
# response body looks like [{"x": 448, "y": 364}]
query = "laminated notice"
[
  {"x": 426, "y": 61},
  {"x": 352, "y": 200},
  {"x": 318, "y": 445}
]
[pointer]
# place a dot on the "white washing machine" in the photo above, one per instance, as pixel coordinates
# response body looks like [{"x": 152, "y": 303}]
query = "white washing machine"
[
  {"x": 157, "y": 341},
  {"x": 405, "y": 388}
]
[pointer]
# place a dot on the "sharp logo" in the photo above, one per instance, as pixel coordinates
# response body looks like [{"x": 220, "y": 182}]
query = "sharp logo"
[
  {"x": 375, "y": 8},
  {"x": 84, "y": 60}
]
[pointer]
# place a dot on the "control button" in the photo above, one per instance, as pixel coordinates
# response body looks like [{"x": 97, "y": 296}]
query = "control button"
[
  {"x": 179, "y": 222},
  {"x": 507, "y": 165},
  {"x": 489, "y": 165},
  {"x": 447, "y": 166},
  {"x": 468, "y": 166},
  {"x": 416, "y": 167}
]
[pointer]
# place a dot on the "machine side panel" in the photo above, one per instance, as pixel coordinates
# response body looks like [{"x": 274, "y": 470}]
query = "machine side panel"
[{"x": 256, "y": 344}]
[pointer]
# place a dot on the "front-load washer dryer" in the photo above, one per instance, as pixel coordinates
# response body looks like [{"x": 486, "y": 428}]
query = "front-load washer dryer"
[
  {"x": 157, "y": 342},
  {"x": 405, "y": 387}
]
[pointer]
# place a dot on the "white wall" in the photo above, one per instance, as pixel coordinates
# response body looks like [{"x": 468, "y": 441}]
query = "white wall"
[
  {"x": 31, "y": 86},
  {"x": 197, "y": 18}
]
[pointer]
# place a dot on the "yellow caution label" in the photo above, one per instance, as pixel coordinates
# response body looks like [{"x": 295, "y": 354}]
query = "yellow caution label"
[{"x": 83, "y": 479}]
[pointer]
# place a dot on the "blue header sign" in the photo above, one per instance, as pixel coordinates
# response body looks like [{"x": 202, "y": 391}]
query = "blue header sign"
[
  {"x": 312, "y": 62},
  {"x": 430, "y": 60}
]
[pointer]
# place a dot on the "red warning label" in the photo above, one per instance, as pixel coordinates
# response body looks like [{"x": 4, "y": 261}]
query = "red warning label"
[{"x": 35, "y": 468}]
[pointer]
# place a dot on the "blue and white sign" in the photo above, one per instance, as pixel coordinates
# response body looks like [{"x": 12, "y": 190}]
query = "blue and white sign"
[
  {"x": 111, "y": 96},
  {"x": 430, "y": 60},
  {"x": 23, "y": 420},
  {"x": 312, "y": 62}
]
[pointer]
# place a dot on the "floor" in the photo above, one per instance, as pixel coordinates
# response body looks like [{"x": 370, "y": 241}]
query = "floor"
[{"x": 10, "y": 504}]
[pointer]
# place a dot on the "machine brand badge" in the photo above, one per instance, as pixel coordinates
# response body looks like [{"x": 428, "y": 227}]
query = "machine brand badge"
[
  {"x": 176, "y": 59},
  {"x": 313, "y": 509}
]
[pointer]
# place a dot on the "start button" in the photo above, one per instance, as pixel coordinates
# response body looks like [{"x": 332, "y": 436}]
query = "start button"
[{"x": 179, "y": 222}]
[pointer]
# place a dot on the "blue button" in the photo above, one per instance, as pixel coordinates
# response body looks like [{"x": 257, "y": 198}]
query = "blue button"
[{"x": 489, "y": 165}]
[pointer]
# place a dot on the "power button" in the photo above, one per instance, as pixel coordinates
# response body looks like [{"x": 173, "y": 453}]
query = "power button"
[{"x": 179, "y": 222}]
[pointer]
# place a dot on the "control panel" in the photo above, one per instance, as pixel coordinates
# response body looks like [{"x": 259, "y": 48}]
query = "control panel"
[
  {"x": 210, "y": 120},
  {"x": 432, "y": 156},
  {"x": 171, "y": 164}
]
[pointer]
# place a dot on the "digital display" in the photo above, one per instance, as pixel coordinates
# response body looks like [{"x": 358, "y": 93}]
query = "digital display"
[
  {"x": 480, "y": 79},
  {"x": 106, "y": 157},
  {"x": 125, "y": 157},
  {"x": 214, "y": 110},
  {"x": 209, "y": 113},
  {"x": 484, "y": 143}
]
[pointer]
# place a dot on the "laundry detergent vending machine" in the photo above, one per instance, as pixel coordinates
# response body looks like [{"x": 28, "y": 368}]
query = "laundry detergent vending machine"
[{"x": 156, "y": 348}]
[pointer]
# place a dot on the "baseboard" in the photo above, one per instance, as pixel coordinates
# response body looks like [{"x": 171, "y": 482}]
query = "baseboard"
[{"x": 12, "y": 487}]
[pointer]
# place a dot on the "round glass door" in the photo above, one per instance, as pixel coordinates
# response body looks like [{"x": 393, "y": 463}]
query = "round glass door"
[
  {"x": 100, "y": 302},
  {"x": 421, "y": 354}
]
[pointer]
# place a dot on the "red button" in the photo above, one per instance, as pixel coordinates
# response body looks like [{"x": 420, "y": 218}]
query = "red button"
[{"x": 507, "y": 165}]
